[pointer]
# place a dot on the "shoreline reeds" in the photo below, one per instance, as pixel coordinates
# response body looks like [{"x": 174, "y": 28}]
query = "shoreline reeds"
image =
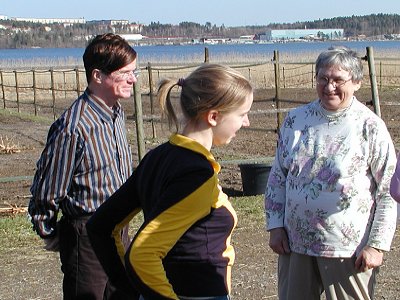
[{"x": 229, "y": 58}]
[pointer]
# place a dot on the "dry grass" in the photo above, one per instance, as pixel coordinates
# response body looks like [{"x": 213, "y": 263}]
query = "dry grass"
[
  {"x": 8, "y": 146},
  {"x": 13, "y": 209},
  {"x": 31, "y": 86}
]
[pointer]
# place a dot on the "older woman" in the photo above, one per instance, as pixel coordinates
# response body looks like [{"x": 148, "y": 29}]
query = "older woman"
[{"x": 328, "y": 207}]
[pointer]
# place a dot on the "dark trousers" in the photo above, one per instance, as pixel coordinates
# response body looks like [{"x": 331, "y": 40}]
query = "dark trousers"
[{"x": 84, "y": 277}]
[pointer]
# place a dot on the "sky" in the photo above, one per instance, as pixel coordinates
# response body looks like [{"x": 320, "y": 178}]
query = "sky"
[{"x": 218, "y": 12}]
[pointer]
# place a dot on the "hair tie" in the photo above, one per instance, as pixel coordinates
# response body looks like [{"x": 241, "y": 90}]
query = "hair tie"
[{"x": 181, "y": 81}]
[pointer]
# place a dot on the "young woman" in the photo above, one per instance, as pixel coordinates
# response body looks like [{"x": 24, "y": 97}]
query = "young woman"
[{"x": 182, "y": 250}]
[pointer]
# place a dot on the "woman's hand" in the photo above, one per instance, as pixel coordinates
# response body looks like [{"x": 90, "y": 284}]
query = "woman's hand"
[
  {"x": 368, "y": 258},
  {"x": 278, "y": 241}
]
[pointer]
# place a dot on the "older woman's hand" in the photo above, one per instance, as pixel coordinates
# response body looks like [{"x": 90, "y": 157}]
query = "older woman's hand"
[
  {"x": 369, "y": 258},
  {"x": 278, "y": 241}
]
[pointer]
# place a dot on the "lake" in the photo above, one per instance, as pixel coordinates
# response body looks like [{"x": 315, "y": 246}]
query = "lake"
[{"x": 168, "y": 53}]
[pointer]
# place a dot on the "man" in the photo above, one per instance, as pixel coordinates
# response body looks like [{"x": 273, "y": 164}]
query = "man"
[
  {"x": 86, "y": 159},
  {"x": 328, "y": 207}
]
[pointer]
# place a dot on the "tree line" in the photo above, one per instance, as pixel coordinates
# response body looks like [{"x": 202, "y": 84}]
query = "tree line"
[
  {"x": 17, "y": 34},
  {"x": 374, "y": 25}
]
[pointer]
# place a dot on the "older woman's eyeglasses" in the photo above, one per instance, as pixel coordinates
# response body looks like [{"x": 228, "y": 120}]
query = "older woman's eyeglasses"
[{"x": 338, "y": 82}]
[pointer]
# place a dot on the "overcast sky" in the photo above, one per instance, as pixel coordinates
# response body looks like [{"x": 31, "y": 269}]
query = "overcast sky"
[{"x": 218, "y": 12}]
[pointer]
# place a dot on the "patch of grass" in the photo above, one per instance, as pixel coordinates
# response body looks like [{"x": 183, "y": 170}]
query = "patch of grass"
[
  {"x": 250, "y": 210},
  {"x": 16, "y": 232},
  {"x": 26, "y": 116}
]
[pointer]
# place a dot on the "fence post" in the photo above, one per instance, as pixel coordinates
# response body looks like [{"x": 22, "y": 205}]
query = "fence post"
[
  {"x": 65, "y": 84},
  {"x": 16, "y": 89},
  {"x": 34, "y": 90},
  {"x": 206, "y": 56},
  {"x": 2, "y": 89},
  {"x": 372, "y": 77},
  {"x": 279, "y": 116},
  {"x": 139, "y": 119},
  {"x": 78, "y": 85},
  {"x": 151, "y": 94},
  {"x": 53, "y": 94},
  {"x": 312, "y": 76}
]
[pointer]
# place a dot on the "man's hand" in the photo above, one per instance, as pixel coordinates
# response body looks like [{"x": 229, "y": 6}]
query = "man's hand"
[
  {"x": 52, "y": 243},
  {"x": 368, "y": 258},
  {"x": 278, "y": 241}
]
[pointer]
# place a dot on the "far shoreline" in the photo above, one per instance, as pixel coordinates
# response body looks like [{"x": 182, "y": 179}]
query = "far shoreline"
[{"x": 180, "y": 55}]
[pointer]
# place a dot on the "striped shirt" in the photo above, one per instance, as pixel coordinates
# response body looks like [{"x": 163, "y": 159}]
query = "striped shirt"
[{"x": 86, "y": 159}]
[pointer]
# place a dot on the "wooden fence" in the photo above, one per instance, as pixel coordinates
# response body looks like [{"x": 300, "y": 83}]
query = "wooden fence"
[{"x": 50, "y": 91}]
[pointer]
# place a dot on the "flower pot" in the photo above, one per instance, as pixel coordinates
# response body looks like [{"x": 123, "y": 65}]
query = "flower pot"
[{"x": 254, "y": 178}]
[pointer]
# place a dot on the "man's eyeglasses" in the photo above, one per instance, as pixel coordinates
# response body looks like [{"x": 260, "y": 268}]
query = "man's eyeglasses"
[
  {"x": 127, "y": 74},
  {"x": 324, "y": 81}
]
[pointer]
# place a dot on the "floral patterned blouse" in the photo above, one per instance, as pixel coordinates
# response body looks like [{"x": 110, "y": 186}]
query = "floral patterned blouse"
[{"x": 328, "y": 186}]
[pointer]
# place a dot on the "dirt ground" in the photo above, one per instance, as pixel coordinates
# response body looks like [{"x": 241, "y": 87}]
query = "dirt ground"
[{"x": 35, "y": 273}]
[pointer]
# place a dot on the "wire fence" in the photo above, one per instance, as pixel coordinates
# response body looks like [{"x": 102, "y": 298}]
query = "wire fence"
[
  {"x": 47, "y": 92},
  {"x": 36, "y": 90}
]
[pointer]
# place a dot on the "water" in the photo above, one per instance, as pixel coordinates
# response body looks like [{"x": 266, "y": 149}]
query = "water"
[
  {"x": 185, "y": 52},
  {"x": 40, "y": 53}
]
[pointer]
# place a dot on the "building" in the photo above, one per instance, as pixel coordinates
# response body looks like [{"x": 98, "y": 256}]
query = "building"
[
  {"x": 247, "y": 39},
  {"x": 50, "y": 21},
  {"x": 108, "y": 22},
  {"x": 131, "y": 37},
  {"x": 274, "y": 35}
]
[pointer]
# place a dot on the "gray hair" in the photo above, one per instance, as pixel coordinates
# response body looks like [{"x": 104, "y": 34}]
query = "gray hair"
[{"x": 342, "y": 57}]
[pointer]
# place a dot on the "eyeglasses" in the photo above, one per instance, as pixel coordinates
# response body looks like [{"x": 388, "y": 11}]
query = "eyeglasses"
[
  {"x": 127, "y": 74},
  {"x": 324, "y": 81}
]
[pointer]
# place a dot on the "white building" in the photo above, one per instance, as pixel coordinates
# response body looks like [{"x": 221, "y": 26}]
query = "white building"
[
  {"x": 109, "y": 22},
  {"x": 132, "y": 37},
  {"x": 50, "y": 21},
  {"x": 306, "y": 34}
]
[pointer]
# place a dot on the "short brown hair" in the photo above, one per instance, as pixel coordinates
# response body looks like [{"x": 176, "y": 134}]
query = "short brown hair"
[{"x": 108, "y": 53}]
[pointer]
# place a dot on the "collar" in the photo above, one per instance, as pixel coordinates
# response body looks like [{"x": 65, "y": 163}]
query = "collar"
[
  {"x": 188, "y": 143},
  {"x": 105, "y": 112}
]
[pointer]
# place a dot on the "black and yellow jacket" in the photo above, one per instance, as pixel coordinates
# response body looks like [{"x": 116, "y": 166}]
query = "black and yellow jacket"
[{"x": 183, "y": 247}]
